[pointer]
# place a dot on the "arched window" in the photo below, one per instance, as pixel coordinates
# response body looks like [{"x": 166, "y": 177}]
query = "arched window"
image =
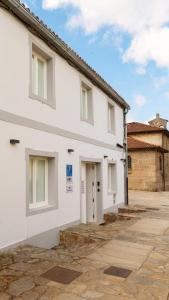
[
  {"x": 160, "y": 162},
  {"x": 129, "y": 162}
]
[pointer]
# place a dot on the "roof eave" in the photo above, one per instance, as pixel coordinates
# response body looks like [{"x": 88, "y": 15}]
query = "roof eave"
[{"x": 62, "y": 49}]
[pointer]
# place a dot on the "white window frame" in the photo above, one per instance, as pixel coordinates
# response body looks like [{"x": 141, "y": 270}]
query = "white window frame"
[
  {"x": 40, "y": 50},
  {"x": 111, "y": 182},
  {"x": 35, "y": 81},
  {"x": 36, "y": 204},
  {"x": 85, "y": 106},
  {"x": 87, "y": 114},
  {"x": 111, "y": 118}
]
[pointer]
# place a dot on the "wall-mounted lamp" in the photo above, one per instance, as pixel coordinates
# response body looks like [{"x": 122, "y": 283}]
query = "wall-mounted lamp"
[
  {"x": 119, "y": 146},
  {"x": 105, "y": 156},
  {"x": 70, "y": 150},
  {"x": 14, "y": 142}
]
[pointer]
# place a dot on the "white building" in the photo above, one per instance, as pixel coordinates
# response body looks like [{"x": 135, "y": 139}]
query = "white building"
[{"x": 61, "y": 134}]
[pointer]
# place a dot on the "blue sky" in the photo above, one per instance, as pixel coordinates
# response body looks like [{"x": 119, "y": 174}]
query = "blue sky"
[{"x": 130, "y": 53}]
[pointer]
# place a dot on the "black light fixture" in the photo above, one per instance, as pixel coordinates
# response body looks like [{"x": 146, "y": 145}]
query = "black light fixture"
[
  {"x": 105, "y": 156},
  {"x": 119, "y": 146},
  {"x": 14, "y": 141},
  {"x": 70, "y": 150}
]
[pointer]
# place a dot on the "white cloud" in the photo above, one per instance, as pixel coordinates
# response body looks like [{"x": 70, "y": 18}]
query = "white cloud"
[
  {"x": 160, "y": 81},
  {"x": 140, "y": 100},
  {"x": 141, "y": 70},
  {"x": 145, "y": 22},
  {"x": 151, "y": 44}
]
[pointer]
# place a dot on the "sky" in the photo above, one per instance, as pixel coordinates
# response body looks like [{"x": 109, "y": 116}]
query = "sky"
[{"x": 125, "y": 41}]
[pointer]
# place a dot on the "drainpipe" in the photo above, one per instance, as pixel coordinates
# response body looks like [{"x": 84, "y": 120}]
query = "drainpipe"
[{"x": 125, "y": 162}]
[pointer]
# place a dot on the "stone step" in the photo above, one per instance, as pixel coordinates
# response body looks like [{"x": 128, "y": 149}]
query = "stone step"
[
  {"x": 110, "y": 217},
  {"x": 124, "y": 216},
  {"x": 69, "y": 238},
  {"x": 131, "y": 210}
]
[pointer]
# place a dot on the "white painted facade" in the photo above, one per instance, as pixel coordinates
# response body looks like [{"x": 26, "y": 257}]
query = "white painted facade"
[{"x": 42, "y": 128}]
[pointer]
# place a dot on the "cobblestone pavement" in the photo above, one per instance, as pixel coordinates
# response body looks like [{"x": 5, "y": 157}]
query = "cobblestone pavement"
[{"x": 140, "y": 244}]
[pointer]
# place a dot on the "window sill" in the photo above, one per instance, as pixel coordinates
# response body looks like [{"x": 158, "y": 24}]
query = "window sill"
[
  {"x": 87, "y": 121},
  {"x": 111, "y": 132},
  {"x": 49, "y": 102},
  {"x": 39, "y": 210}
]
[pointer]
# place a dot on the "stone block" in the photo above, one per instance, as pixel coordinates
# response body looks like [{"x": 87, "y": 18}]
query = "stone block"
[{"x": 110, "y": 217}]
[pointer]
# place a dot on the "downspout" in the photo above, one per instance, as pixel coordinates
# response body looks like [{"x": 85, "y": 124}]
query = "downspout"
[{"x": 125, "y": 161}]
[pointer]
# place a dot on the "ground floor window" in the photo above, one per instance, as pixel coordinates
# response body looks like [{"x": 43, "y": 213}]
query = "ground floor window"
[
  {"x": 41, "y": 181},
  {"x": 38, "y": 182},
  {"x": 111, "y": 178}
]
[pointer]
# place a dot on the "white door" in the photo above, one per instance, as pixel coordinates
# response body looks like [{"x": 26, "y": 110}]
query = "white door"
[{"x": 91, "y": 193}]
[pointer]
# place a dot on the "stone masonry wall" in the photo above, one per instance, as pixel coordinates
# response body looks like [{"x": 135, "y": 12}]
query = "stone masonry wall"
[
  {"x": 162, "y": 141},
  {"x": 145, "y": 174}
]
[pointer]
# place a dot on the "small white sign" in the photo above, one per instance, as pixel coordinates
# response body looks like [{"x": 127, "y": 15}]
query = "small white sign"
[{"x": 69, "y": 188}]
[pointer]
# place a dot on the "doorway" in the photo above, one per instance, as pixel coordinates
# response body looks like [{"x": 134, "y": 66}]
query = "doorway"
[{"x": 91, "y": 192}]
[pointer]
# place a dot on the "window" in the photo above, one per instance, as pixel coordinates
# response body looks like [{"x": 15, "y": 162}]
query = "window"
[
  {"x": 41, "y": 181},
  {"x": 111, "y": 178},
  {"x": 160, "y": 162},
  {"x": 86, "y": 104},
  {"x": 38, "y": 182},
  {"x": 42, "y": 74},
  {"x": 129, "y": 162},
  {"x": 111, "y": 118},
  {"x": 39, "y": 76}
]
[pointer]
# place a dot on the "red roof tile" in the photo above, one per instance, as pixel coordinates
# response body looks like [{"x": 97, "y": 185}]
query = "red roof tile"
[
  {"x": 134, "y": 144},
  {"x": 136, "y": 127}
]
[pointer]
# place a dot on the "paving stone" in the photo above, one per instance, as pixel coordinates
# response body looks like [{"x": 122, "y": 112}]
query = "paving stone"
[
  {"x": 66, "y": 296},
  {"x": 154, "y": 226},
  {"x": 20, "y": 286},
  {"x": 92, "y": 294},
  {"x": 4, "y": 296}
]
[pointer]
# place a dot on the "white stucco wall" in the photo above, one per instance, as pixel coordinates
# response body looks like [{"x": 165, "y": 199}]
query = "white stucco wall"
[
  {"x": 14, "y": 87},
  {"x": 15, "y": 226}
]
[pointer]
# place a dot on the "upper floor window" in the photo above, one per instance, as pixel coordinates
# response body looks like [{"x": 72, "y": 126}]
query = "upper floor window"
[
  {"x": 111, "y": 118},
  {"x": 39, "y": 75},
  {"x": 42, "y": 74},
  {"x": 86, "y": 104}
]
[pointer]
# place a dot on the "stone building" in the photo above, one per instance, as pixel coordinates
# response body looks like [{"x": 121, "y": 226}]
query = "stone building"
[{"x": 148, "y": 155}]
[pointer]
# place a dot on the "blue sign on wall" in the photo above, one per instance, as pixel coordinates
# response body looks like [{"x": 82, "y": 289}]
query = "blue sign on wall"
[{"x": 69, "y": 170}]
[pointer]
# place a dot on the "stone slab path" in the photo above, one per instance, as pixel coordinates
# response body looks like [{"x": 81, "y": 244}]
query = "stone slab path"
[
  {"x": 122, "y": 254},
  {"x": 140, "y": 244},
  {"x": 154, "y": 226}
]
